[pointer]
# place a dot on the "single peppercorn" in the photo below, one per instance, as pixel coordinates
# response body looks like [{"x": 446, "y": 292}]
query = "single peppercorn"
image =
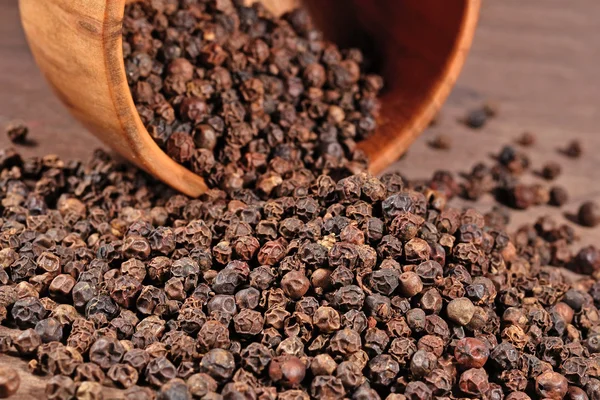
[
  {"x": 589, "y": 214},
  {"x": 27, "y": 312},
  {"x": 219, "y": 364},
  {"x": 50, "y": 330},
  {"x": 122, "y": 375},
  {"x": 574, "y": 149},
  {"x": 89, "y": 390},
  {"x": 175, "y": 389},
  {"x": 295, "y": 284},
  {"x": 551, "y": 385},
  {"x": 60, "y": 387},
  {"x": 441, "y": 142},
  {"x": 289, "y": 371},
  {"x": 471, "y": 353},
  {"x": 551, "y": 170},
  {"x": 410, "y": 284},
  {"x": 527, "y": 139},
  {"x": 17, "y": 132},
  {"x": 558, "y": 196},
  {"x": 460, "y": 310},
  {"x": 476, "y": 118},
  {"x": 9, "y": 382},
  {"x": 323, "y": 364},
  {"x": 27, "y": 342}
]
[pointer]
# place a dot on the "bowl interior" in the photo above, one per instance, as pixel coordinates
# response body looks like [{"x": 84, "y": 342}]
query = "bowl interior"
[{"x": 418, "y": 46}]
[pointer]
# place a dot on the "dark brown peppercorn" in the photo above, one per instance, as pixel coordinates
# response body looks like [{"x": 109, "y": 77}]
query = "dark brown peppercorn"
[
  {"x": 323, "y": 364},
  {"x": 61, "y": 286},
  {"x": 383, "y": 369},
  {"x": 89, "y": 372},
  {"x": 477, "y": 118},
  {"x": 139, "y": 393},
  {"x": 106, "y": 351},
  {"x": 326, "y": 319},
  {"x": 122, "y": 375},
  {"x": 27, "y": 342},
  {"x": 175, "y": 389},
  {"x": 551, "y": 170},
  {"x": 17, "y": 132},
  {"x": 589, "y": 214},
  {"x": 474, "y": 381},
  {"x": 219, "y": 364},
  {"x": 574, "y": 149},
  {"x": 526, "y": 139},
  {"x": 441, "y": 142},
  {"x": 9, "y": 382},
  {"x": 27, "y": 312},
  {"x": 50, "y": 330},
  {"x": 60, "y": 387},
  {"x": 55, "y": 358},
  {"x": 417, "y": 390},
  {"x": 558, "y": 196},
  {"x": 295, "y": 284},
  {"x": 422, "y": 363},
  {"x": 327, "y": 387},
  {"x": 350, "y": 374},
  {"x": 248, "y": 322},
  {"x": 159, "y": 371},
  {"x": 575, "y": 393}
]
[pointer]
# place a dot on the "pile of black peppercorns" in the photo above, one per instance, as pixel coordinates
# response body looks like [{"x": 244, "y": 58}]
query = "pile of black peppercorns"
[
  {"x": 298, "y": 276},
  {"x": 245, "y": 99},
  {"x": 363, "y": 288}
]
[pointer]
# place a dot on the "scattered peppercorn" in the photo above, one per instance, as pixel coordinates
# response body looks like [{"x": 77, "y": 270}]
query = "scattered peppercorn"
[
  {"x": 441, "y": 142},
  {"x": 558, "y": 196},
  {"x": 491, "y": 108},
  {"x": 527, "y": 139},
  {"x": 9, "y": 382},
  {"x": 17, "y": 132},
  {"x": 478, "y": 117},
  {"x": 589, "y": 214},
  {"x": 574, "y": 149},
  {"x": 551, "y": 170}
]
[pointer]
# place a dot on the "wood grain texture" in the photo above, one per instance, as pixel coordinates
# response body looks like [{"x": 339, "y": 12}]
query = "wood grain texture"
[
  {"x": 421, "y": 46},
  {"x": 538, "y": 58}
]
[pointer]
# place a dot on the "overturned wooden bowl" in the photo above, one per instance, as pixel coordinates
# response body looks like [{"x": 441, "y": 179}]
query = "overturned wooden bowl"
[{"x": 419, "y": 47}]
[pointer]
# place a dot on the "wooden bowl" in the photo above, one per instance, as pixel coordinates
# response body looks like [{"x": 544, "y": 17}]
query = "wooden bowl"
[{"x": 419, "y": 47}]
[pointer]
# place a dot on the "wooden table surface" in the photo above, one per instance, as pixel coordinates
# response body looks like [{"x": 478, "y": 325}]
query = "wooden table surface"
[{"x": 537, "y": 58}]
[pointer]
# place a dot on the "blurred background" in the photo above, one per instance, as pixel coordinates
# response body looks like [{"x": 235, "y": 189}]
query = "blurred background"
[{"x": 538, "y": 59}]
